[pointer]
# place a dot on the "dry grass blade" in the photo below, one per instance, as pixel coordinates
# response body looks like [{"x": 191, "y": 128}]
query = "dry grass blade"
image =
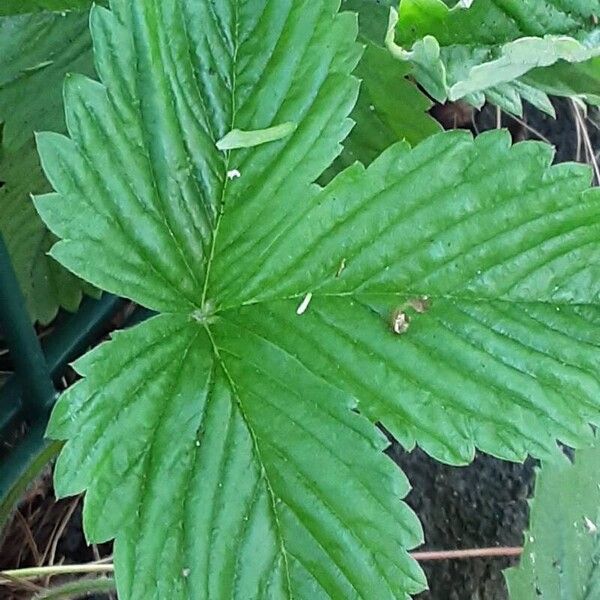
[
  {"x": 587, "y": 142},
  {"x": 29, "y": 537},
  {"x": 50, "y": 552}
]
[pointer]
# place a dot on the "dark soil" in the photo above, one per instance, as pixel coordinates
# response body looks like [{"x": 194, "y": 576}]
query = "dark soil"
[{"x": 482, "y": 505}]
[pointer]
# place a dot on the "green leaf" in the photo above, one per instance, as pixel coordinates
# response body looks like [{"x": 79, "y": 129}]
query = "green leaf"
[
  {"x": 14, "y": 7},
  {"x": 372, "y": 18},
  {"x": 264, "y": 482},
  {"x": 390, "y": 107},
  {"x": 484, "y": 51},
  {"x": 280, "y": 489},
  {"x": 501, "y": 245},
  {"x": 581, "y": 80},
  {"x": 230, "y": 418},
  {"x": 562, "y": 547},
  {"x": 35, "y": 53}
]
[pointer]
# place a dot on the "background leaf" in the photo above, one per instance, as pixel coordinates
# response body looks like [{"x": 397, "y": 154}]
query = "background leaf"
[
  {"x": 562, "y": 547},
  {"x": 14, "y": 7},
  {"x": 35, "y": 53},
  {"x": 580, "y": 80},
  {"x": 390, "y": 107},
  {"x": 484, "y": 51},
  {"x": 373, "y": 16}
]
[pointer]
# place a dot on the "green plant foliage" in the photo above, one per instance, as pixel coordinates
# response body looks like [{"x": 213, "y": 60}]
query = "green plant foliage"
[
  {"x": 561, "y": 557},
  {"x": 450, "y": 290},
  {"x": 484, "y": 51},
  {"x": 14, "y": 7},
  {"x": 35, "y": 53},
  {"x": 580, "y": 80},
  {"x": 373, "y": 16},
  {"x": 390, "y": 107}
]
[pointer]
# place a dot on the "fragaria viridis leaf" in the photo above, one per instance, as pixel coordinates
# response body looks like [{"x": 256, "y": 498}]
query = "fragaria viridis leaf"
[
  {"x": 15, "y": 7},
  {"x": 449, "y": 290},
  {"x": 36, "y": 51},
  {"x": 483, "y": 50},
  {"x": 562, "y": 544}
]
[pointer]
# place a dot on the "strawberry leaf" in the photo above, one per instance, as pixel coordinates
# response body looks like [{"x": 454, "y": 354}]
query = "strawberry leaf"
[
  {"x": 484, "y": 51},
  {"x": 562, "y": 545},
  {"x": 15, "y": 7},
  {"x": 449, "y": 292},
  {"x": 35, "y": 53}
]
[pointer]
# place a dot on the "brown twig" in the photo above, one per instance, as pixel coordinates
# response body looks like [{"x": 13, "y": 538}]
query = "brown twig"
[
  {"x": 28, "y": 537},
  {"x": 531, "y": 129},
  {"x": 471, "y": 553},
  {"x": 50, "y": 552},
  {"x": 29, "y": 573},
  {"x": 20, "y": 583},
  {"x": 587, "y": 142}
]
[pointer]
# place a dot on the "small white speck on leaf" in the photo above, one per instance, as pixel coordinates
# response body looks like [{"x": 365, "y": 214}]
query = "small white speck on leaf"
[
  {"x": 304, "y": 304},
  {"x": 233, "y": 174},
  {"x": 465, "y": 3},
  {"x": 400, "y": 322},
  {"x": 186, "y": 572},
  {"x": 341, "y": 267},
  {"x": 590, "y": 525},
  {"x": 197, "y": 443}
]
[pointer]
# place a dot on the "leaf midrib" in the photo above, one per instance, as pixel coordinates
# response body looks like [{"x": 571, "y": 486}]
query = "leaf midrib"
[
  {"x": 258, "y": 454},
  {"x": 205, "y": 302},
  {"x": 404, "y": 296},
  {"x": 221, "y": 202}
]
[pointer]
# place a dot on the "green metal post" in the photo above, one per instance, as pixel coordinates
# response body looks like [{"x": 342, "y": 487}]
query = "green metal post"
[
  {"x": 24, "y": 347},
  {"x": 19, "y": 466},
  {"x": 64, "y": 344}
]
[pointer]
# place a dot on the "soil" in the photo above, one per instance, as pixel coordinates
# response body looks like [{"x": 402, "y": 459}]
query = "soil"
[{"x": 482, "y": 505}]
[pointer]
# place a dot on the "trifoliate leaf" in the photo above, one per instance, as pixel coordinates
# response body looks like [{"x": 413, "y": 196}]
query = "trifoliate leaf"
[
  {"x": 35, "y": 53},
  {"x": 451, "y": 290},
  {"x": 562, "y": 547},
  {"x": 484, "y": 51}
]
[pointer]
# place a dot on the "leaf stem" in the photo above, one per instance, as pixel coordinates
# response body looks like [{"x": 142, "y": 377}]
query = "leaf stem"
[
  {"x": 77, "y": 589},
  {"x": 470, "y": 553},
  {"x": 37, "y": 572}
]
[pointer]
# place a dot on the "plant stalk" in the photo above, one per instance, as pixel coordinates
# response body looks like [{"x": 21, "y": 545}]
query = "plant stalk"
[
  {"x": 471, "y": 553},
  {"x": 77, "y": 589},
  {"x": 37, "y": 572}
]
